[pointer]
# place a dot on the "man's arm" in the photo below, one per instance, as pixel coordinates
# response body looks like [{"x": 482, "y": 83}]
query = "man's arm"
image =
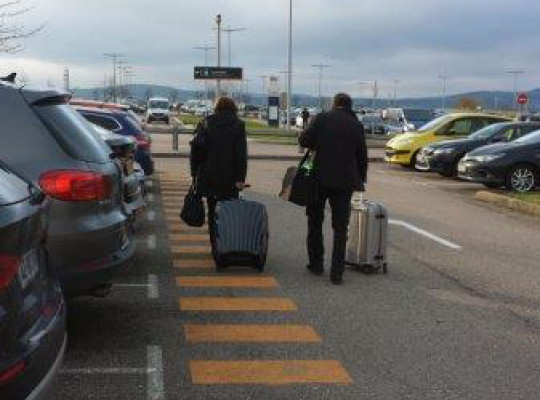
[
  {"x": 198, "y": 149},
  {"x": 308, "y": 138}
]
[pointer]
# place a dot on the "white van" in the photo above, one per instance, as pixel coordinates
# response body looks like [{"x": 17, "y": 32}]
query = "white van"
[{"x": 158, "y": 110}]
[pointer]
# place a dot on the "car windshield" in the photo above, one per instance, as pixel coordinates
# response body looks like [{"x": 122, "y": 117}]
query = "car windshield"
[
  {"x": 531, "y": 138},
  {"x": 159, "y": 104},
  {"x": 433, "y": 124},
  {"x": 488, "y": 131}
]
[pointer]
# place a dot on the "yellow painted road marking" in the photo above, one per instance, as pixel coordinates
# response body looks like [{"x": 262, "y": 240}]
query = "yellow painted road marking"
[
  {"x": 191, "y": 249},
  {"x": 236, "y": 304},
  {"x": 186, "y": 263},
  {"x": 181, "y": 238},
  {"x": 227, "y": 281},
  {"x": 267, "y": 333},
  {"x": 268, "y": 372}
]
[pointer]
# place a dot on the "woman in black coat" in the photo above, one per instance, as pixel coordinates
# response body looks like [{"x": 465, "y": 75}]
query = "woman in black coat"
[{"x": 219, "y": 155}]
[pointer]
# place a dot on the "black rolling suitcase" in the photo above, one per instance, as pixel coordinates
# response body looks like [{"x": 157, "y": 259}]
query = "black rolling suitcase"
[{"x": 239, "y": 235}]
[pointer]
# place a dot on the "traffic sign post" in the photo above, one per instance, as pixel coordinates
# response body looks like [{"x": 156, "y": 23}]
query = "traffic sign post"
[{"x": 522, "y": 99}]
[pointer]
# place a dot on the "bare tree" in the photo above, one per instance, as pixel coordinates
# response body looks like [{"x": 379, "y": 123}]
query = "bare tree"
[{"x": 11, "y": 33}]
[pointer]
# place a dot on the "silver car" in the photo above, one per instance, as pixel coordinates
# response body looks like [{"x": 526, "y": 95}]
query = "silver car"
[{"x": 47, "y": 140}]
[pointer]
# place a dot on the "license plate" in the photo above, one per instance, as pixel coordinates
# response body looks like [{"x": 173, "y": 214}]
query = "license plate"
[
  {"x": 462, "y": 168},
  {"x": 29, "y": 268}
]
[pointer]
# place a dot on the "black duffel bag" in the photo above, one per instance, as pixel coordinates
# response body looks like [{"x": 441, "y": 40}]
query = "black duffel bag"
[
  {"x": 193, "y": 212},
  {"x": 300, "y": 184}
]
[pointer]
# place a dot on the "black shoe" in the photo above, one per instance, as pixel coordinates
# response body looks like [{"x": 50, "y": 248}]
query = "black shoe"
[
  {"x": 336, "y": 279},
  {"x": 315, "y": 270}
]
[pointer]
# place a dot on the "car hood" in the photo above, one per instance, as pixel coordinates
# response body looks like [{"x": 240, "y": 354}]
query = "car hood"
[
  {"x": 458, "y": 143},
  {"x": 495, "y": 148},
  {"x": 405, "y": 138}
]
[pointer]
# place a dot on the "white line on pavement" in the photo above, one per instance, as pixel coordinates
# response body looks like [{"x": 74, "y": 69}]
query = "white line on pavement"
[
  {"x": 151, "y": 241},
  {"x": 155, "y": 374},
  {"x": 426, "y": 234},
  {"x": 105, "y": 371},
  {"x": 153, "y": 287},
  {"x": 151, "y": 215}
]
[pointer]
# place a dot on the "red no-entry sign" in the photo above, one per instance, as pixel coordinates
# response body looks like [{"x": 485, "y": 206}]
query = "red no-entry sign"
[{"x": 522, "y": 98}]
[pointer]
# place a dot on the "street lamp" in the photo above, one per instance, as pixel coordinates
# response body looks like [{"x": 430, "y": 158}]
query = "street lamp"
[
  {"x": 444, "y": 79},
  {"x": 289, "y": 66},
  {"x": 320, "y": 67},
  {"x": 206, "y": 49},
  {"x": 229, "y": 31},
  {"x": 396, "y": 83},
  {"x": 115, "y": 57}
]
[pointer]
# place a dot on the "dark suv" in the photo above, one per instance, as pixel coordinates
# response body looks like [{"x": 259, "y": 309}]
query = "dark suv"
[
  {"x": 49, "y": 142},
  {"x": 32, "y": 311}
]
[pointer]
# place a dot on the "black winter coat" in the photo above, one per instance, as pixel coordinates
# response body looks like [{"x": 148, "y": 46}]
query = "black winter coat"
[
  {"x": 219, "y": 155},
  {"x": 341, "y": 158}
]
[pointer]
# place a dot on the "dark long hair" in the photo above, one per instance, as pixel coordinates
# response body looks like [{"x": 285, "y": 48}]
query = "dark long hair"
[{"x": 225, "y": 105}]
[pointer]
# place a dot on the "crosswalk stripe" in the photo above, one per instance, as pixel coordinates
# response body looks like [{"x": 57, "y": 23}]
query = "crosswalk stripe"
[
  {"x": 191, "y": 249},
  {"x": 191, "y": 264},
  {"x": 227, "y": 281},
  {"x": 178, "y": 228},
  {"x": 236, "y": 304},
  {"x": 188, "y": 237},
  {"x": 268, "y": 372},
  {"x": 263, "y": 333}
]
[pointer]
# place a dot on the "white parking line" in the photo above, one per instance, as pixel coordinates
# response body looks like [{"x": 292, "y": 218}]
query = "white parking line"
[
  {"x": 155, "y": 385},
  {"x": 426, "y": 234},
  {"x": 151, "y": 215},
  {"x": 106, "y": 371},
  {"x": 153, "y": 287},
  {"x": 151, "y": 241}
]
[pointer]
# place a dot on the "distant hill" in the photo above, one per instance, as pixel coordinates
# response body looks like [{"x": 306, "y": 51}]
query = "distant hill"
[{"x": 486, "y": 99}]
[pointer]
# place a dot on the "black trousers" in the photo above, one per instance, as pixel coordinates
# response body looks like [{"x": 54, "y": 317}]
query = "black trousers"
[{"x": 340, "y": 203}]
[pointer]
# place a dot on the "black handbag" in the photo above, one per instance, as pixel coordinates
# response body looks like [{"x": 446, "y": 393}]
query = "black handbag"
[
  {"x": 304, "y": 189},
  {"x": 193, "y": 212}
]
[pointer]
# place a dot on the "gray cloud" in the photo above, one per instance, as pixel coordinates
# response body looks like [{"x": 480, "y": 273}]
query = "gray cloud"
[{"x": 473, "y": 41}]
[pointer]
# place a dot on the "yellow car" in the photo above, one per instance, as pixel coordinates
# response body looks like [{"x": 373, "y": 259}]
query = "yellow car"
[{"x": 403, "y": 149}]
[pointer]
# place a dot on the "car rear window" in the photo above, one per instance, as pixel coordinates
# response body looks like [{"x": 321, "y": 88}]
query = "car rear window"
[
  {"x": 12, "y": 188},
  {"x": 73, "y": 133}
]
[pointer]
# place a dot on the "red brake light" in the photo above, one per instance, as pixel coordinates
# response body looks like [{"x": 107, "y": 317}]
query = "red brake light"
[
  {"x": 143, "y": 141},
  {"x": 9, "y": 266},
  {"x": 12, "y": 372},
  {"x": 76, "y": 185}
]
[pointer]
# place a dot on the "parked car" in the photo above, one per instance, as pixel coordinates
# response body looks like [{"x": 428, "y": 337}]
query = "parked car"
[
  {"x": 514, "y": 165},
  {"x": 444, "y": 157},
  {"x": 418, "y": 117},
  {"x": 158, "y": 110},
  {"x": 123, "y": 149},
  {"x": 404, "y": 149},
  {"x": 48, "y": 141},
  {"x": 32, "y": 311},
  {"x": 130, "y": 109},
  {"x": 373, "y": 124},
  {"x": 122, "y": 123}
]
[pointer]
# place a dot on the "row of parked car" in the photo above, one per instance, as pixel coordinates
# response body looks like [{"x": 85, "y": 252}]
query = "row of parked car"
[
  {"x": 72, "y": 188},
  {"x": 493, "y": 150}
]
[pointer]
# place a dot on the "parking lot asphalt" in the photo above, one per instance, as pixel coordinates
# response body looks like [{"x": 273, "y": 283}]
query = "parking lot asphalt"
[{"x": 457, "y": 317}]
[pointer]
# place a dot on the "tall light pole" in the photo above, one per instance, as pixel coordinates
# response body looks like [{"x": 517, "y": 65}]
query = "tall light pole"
[
  {"x": 229, "y": 32},
  {"x": 516, "y": 73},
  {"x": 396, "y": 83},
  {"x": 444, "y": 79},
  {"x": 115, "y": 57},
  {"x": 206, "y": 49},
  {"x": 320, "y": 67},
  {"x": 263, "y": 79},
  {"x": 289, "y": 65},
  {"x": 218, "y": 22}
]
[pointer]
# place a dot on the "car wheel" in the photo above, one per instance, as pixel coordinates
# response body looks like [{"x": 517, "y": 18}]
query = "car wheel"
[{"x": 522, "y": 178}]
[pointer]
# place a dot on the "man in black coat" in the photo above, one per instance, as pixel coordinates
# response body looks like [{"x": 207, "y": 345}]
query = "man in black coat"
[{"x": 340, "y": 164}]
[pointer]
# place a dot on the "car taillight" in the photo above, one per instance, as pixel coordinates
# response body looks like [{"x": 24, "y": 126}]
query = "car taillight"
[
  {"x": 11, "y": 373},
  {"x": 143, "y": 142},
  {"x": 9, "y": 266},
  {"x": 71, "y": 185}
]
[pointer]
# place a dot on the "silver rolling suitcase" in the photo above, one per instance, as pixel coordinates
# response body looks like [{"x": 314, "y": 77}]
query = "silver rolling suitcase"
[{"x": 368, "y": 231}]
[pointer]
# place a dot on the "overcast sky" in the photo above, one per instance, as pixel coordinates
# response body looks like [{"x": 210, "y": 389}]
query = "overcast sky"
[{"x": 413, "y": 41}]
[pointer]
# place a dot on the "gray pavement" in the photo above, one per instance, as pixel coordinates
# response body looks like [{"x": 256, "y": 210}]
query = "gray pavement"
[{"x": 445, "y": 323}]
